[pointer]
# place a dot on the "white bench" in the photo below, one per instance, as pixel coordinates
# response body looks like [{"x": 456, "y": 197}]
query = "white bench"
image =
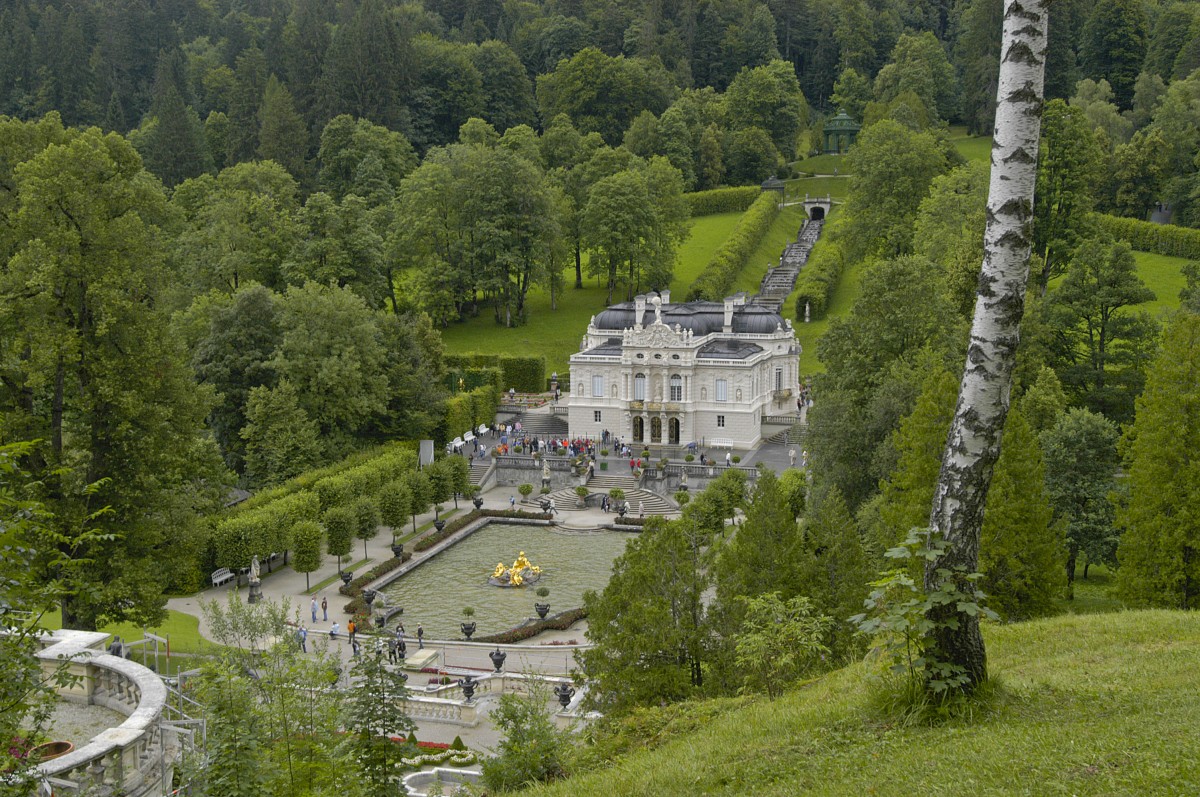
[
  {"x": 222, "y": 576},
  {"x": 721, "y": 442}
]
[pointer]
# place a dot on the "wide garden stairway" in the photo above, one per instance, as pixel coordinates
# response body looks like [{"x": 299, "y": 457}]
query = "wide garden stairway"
[
  {"x": 541, "y": 424},
  {"x": 639, "y": 500}
]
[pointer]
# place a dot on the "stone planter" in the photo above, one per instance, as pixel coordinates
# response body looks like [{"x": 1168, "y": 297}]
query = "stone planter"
[
  {"x": 467, "y": 629},
  {"x": 398, "y": 549},
  {"x": 478, "y": 502},
  {"x": 346, "y": 577},
  {"x": 498, "y": 656},
  {"x": 50, "y": 750},
  {"x": 439, "y": 524},
  {"x": 542, "y": 609}
]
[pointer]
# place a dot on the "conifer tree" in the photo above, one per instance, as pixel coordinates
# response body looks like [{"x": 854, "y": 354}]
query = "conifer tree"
[
  {"x": 1160, "y": 547},
  {"x": 282, "y": 136}
]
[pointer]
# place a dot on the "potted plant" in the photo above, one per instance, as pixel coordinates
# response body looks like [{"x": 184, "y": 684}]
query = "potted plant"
[
  {"x": 542, "y": 607},
  {"x": 468, "y": 625},
  {"x": 645, "y": 453},
  {"x": 544, "y": 491},
  {"x": 604, "y": 452},
  {"x": 689, "y": 458},
  {"x": 736, "y": 459},
  {"x": 616, "y": 494},
  {"x": 582, "y": 493},
  {"x": 525, "y": 490}
]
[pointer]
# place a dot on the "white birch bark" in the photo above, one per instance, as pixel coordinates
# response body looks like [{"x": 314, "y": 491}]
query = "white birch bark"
[{"x": 973, "y": 444}]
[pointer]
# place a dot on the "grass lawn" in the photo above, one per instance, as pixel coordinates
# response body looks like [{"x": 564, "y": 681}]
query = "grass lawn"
[
  {"x": 1094, "y": 594},
  {"x": 183, "y": 630},
  {"x": 836, "y": 187},
  {"x": 555, "y": 334},
  {"x": 782, "y": 232},
  {"x": 1100, "y": 704},
  {"x": 821, "y": 164},
  {"x": 708, "y": 232},
  {"x": 1163, "y": 275}
]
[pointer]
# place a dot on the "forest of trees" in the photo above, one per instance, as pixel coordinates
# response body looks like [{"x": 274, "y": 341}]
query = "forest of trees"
[{"x": 230, "y": 229}]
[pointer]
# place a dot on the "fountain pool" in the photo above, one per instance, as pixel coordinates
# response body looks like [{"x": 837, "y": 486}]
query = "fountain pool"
[{"x": 435, "y": 593}]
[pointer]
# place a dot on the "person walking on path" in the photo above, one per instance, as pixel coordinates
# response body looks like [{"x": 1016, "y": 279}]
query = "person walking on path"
[
  {"x": 420, "y": 637},
  {"x": 313, "y": 605},
  {"x": 302, "y": 638},
  {"x": 351, "y": 627},
  {"x": 333, "y": 631},
  {"x": 325, "y": 608},
  {"x": 512, "y": 502},
  {"x": 354, "y": 648},
  {"x": 792, "y": 457},
  {"x": 728, "y": 458},
  {"x": 553, "y": 508},
  {"x": 392, "y": 650}
]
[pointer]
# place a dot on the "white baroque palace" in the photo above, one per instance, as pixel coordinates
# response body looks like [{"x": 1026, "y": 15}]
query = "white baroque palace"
[{"x": 672, "y": 374}]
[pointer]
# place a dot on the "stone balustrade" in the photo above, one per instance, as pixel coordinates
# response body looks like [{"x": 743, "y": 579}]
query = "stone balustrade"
[{"x": 137, "y": 757}]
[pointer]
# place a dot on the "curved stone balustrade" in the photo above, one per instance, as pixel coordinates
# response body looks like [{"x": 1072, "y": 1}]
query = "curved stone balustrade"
[{"x": 135, "y": 758}]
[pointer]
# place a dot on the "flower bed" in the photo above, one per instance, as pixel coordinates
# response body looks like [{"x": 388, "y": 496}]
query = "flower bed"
[
  {"x": 629, "y": 521},
  {"x": 559, "y": 622}
]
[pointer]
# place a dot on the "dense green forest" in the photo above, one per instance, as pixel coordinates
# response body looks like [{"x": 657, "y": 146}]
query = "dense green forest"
[{"x": 232, "y": 230}]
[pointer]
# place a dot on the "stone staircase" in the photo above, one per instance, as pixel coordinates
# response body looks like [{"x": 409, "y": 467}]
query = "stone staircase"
[
  {"x": 478, "y": 469},
  {"x": 639, "y": 500},
  {"x": 778, "y": 282},
  {"x": 542, "y": 424},
  {"x": 602, "y": 482}
]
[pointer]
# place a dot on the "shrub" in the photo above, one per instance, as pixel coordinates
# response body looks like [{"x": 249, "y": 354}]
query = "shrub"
[
  {"x": 581, "y": 491},
  {"x": 604, "y": 452},
  {"x": 721, "y": 200},
  {"x": 682, "y": 497},
  {"x": 526, "y": 374},
  {"x": 736, "y": 459},
  {"x": 718, "y": 277},
  {"x": 616, "y": 494},
  {"x": 544, "y": 491},
  {"x": 525, "y": 490},
  {"x": 689, "y": 458}
]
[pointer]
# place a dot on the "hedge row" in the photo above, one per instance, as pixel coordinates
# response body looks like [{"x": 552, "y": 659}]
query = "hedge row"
[
  {"x": 718, "y": 277},
  {"x": 306, "y": 480},
  {"x": 721, "y": 200},
  {"x": 526, "y": 374},
  {"x": 466, "y": 411},
  {"x": 459, "y": 523},
  {"x": 559, "y": 622},
  {"x": 357, "y": 606},
  {"x": 1146, "y": 236},
  {"x": 460, "y": 380},
  {"x": 818, "y": 278},
  {"x": 365, "y": 479},
  {"x": 265, "y": 526}
]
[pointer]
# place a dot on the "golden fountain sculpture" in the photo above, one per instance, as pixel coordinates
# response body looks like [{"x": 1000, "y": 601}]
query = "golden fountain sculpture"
[{"x": 522, "y": 572}]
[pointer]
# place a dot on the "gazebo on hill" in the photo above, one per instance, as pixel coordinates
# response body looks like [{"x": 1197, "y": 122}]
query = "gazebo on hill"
[{"x": 840, "y": 133}]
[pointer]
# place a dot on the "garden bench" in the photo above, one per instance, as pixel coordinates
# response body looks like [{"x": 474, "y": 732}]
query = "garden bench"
[{"x": 222, "y": 576}]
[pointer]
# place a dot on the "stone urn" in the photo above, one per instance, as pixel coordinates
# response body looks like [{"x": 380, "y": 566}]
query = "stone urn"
[
  {"x": 467, "y": 629},
  {"x": 478, "y": 502},
  {"x": 439, "y": 524},
  {"x": 368, "y": 596},
  {"x": 498, "y": 656},
  {"x": 346, "y": 577},
  {"x": 468, "y": 685},
  {"x": 564, "y": 693},
  {"x": 542, "y": 609},
  {"x": 398, "y": 549}
]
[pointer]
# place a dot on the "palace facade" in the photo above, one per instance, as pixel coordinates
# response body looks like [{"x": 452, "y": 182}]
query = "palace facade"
[{"x": 672, "y": 374}]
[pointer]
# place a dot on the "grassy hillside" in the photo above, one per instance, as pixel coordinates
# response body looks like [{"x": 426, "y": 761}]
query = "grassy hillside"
[
  {"x": 783, "y": 231},
  {"x": 1104, "y": 704},
  {"x": 555, "y": 334},
  {"x": 1164, "y": 276}
]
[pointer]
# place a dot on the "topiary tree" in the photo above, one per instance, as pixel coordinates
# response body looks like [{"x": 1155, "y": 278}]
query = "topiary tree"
[
  {"x": 306, "y": 541},
  {"x": 366, "y": 521},
  {"x": 525, "y": 490},
  {"x": 394, "y": 500},
  {"x": 339, "y": 531},
  {"x": 419, "y": 495}
]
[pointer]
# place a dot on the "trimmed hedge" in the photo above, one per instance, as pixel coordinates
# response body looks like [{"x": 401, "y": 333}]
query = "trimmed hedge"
[
  {"x": 559, "y": 622},
  {"x": 718, "y": 277},
  {"x": 1146, "y": 236},
  {"x": 466, "y": 411},
  {"x": 526, "y": 374},
  {"x": 357, "y": 606},
  {"x": 721, "y": 200},
  {"x": 306, "y": 480},
  {"x": 473, "y": 377},
  {"x": 425, "y": 543},
  {"x": 818, "y": 278}
]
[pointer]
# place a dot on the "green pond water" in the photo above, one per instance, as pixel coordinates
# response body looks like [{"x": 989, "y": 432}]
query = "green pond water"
[{"x": 435, "y": 593}]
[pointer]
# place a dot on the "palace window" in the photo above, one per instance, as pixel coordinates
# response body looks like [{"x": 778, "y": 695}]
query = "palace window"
[
  {"x": 676, "y": 388},
  {"x": 639, "y": 387},
  {"x": 779, "y": 379},
  {"x": 720, "y": 421},
  {"x": 598, "y": 386},
  {"x": 596, "y": 416},
  {"x": 722, "y": 392}
]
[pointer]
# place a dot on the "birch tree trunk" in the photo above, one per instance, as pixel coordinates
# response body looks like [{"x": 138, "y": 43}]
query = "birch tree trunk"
[{"x": 973, "y": 444}]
